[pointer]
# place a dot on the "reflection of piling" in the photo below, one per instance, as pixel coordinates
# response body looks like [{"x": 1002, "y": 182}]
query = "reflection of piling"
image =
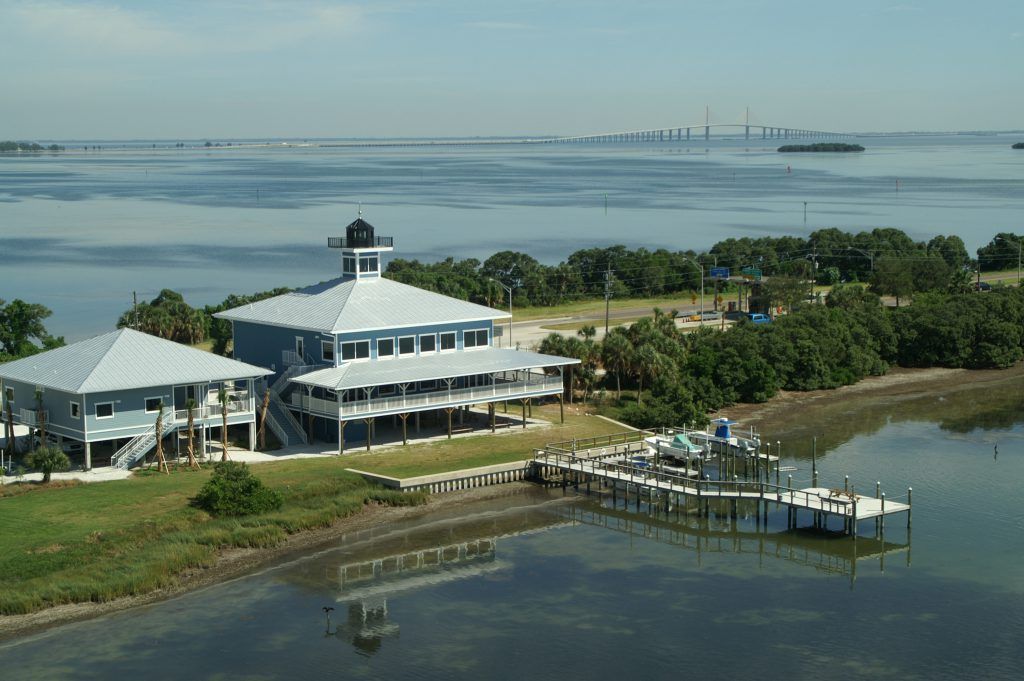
[
  {"x": 910, "y": 507},
  {"x": 814, "y": 462}
]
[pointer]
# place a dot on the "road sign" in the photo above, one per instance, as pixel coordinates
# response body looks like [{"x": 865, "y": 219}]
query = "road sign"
[
  {"x": 752, "y": 273},
  {"x": 719, "y": 273}
]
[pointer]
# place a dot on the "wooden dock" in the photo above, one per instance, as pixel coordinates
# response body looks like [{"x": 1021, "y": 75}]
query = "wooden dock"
[{"x": 612, "y": 466}]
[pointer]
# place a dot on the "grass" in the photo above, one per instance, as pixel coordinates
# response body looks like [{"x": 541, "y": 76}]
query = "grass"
[
  {"x": 576, "y": 326},
  {"x": 97, "y": 542},
  {"x": 483, "y": 450},
  {"x": 595, "y": 307}
]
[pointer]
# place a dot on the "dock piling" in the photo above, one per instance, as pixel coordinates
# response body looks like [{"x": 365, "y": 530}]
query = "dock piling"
[{"x": 910, "y": 505}]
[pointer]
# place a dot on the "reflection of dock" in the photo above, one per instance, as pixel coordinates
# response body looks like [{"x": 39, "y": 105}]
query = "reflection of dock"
[{"x": 699, "y": 537}]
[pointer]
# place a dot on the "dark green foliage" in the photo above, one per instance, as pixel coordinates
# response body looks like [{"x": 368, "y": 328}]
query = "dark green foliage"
[
  {"x": 962, "y": 330},
  {"x": 234, "y": 490},
  {"x": 1001, "y": 253},
  {"x": 168, "y": 316},
  {"x": 821, "y": 146},
  {"x": 1017, "y": 145},
  {"x": 48, "y": 460},
  {"x": 22, "y": 332}
]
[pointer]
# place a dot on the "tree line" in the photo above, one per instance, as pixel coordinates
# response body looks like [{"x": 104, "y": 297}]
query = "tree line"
[
  {"x": 891, "y": 262},
  {"x": 9, "y": 146},
  {"x": 678, "y": 378}
]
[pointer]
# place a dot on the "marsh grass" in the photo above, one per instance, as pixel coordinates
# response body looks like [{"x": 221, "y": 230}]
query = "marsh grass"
[{"x": 93, "y": 543}]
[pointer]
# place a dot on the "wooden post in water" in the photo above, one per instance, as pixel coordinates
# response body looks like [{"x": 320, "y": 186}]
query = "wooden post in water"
[
  {"x": 910, "y": 492},
  {"x": 878, "y": 495},
  {"x": 882, "y": 517},
  {"x": 814, "y": 461}
]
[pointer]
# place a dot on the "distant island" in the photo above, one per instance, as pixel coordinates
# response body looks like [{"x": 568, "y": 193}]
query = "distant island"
[
  {"x": 1018, "y": 145},
  {"x": 28, "y": 146},
  {"x": 821, "y": 146}
]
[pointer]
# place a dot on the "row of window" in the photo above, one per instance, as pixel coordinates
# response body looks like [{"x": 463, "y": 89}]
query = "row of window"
[
  {"x": 428, "y": 343},
  {"x": 104, "y": 410},
  {"x": 367, "y": 263}
]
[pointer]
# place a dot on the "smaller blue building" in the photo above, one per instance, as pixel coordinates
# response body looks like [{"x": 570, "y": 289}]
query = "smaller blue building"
[{"x": 112, "y": 387}]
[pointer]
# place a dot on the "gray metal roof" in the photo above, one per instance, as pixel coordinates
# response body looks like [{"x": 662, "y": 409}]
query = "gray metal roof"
[
  {"x": 124, "y": 359},
  {"x": 344, "y": 305},
  {"x": 428, "y": 368}
]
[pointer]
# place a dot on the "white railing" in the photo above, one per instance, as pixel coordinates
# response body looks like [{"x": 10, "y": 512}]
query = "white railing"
[
  {"x": 276, "y": 428},
  {"x": 142, "y": 443},
  {"x": 295, "y": 425},
  {"x": 243, "y": 405},
  {"x": 294, "y": 370},
  {"x": 30, "y": 417},
  {"x": 417, "y": 401}
]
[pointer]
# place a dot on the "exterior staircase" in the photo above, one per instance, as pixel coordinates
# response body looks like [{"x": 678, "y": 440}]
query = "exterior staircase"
[
  {"x": 140, "y": 445},
  {"x": 283, "y": 424}
]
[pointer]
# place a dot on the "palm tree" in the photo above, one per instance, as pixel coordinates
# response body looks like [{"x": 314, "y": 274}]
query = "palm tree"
[
  {"x": 263, "y": 419},
  {"x": 222, "y": 397},
  {"x": 616, "y": 354},
  {"x": 12, "y": 443},
  {"x": 190, "y": 405},
  {"x": 646, "y": 362},
  {"x": 160, "y": 460}
]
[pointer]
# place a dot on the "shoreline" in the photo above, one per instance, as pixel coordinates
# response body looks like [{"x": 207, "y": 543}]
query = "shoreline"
[
  {"x": 236, "y": 563},
  {"x": 901, "y": 384}
]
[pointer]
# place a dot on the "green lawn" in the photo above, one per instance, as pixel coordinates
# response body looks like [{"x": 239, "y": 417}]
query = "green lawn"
[
  {"x": 100, "y": 541},
  {"x": 482, "y": 450},
  {"x": 95, "y": 542},
  {"x": 596, "y": 307}
]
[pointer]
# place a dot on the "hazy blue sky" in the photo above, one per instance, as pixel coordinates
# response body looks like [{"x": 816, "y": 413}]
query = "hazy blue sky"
[{"x": 297, "y": 69}]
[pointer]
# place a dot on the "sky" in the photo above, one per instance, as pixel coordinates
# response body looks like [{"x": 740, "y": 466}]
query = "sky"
[{"x": 273, "y": 69}]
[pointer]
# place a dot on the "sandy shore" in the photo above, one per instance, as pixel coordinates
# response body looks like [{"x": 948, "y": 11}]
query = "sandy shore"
[
  {"x": 237, "y": 562},
  {"x": 897, "y": 384}
]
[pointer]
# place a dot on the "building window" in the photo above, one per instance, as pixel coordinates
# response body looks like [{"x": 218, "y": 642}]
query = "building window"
[
  {"x": 385, "y": 348},
  {"x": 475, "y": 339},
  {"x": 407, "y": 345},
  {"x": 153, "y": 404},
  {"x": 447, "y": 341},
  {"x": 105, "y": 410},
  {"x": 327, "y": 350},
  {"x": 386, "y": 390},
  {"x": 348, "y": 265},
  {"x": 368, "y": 263},
  {"x": 428, "y": 343},
  {"x": 76, "y": 410},
  {"x": 428, "y": 385},
  {"x": 355, "y": 350}
]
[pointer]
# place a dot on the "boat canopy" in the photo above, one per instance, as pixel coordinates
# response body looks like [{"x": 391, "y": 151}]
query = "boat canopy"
[
  {"x": 680, "y": 441},
  {"x": 722, "y": 427}
]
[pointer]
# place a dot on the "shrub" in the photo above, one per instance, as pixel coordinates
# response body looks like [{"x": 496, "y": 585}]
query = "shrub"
[
  {"x": 234, "y": 490},
  {"x": 48, "y": 460}
]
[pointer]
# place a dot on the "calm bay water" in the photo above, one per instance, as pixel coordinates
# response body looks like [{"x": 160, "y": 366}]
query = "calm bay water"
[
  {"x": 80, "y": 231},
  {"x": 549, "y": 586}
]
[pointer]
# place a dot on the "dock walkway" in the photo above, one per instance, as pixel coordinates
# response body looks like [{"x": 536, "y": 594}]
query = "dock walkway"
[{"x": 612, "y": 466}]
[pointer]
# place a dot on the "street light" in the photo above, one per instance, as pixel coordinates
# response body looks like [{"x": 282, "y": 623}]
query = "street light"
[
  {"x": 509, "y": 290},
  {"x": 701, "y": 268},
  {"x": 1011, "y": 241}
]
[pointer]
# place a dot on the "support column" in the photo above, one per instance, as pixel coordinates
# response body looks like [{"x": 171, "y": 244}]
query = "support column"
[
  {"x": 491, "y": 409},
  {"x": 561, "y": 408},
  {"x": 417, "y": 423},
  {"x": 524, "y": 413},
  {"x": 449, "y": 410},
  {"x": 341, "y": 436},
  {"x": 369, "y": 432},
  {"x": 405, "y": 431},
  {"x": 252, "y": 436},
  {"x": 88, "y": 454}
]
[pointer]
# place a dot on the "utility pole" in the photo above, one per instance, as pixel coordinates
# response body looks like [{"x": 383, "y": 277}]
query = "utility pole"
[
  {"x": 135, "y": 311},
  {"x": 607, "y": 295}
]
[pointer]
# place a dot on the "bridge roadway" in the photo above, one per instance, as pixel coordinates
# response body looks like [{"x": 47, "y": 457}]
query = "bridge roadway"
[{"x": 614, "y": 468}]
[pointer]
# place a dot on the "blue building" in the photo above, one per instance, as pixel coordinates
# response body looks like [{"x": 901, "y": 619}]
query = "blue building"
[
  {"x": 359, "y": 347},
  {"x": 108, "y": 390}
]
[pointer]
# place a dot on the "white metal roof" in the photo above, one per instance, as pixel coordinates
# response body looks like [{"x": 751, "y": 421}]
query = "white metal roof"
[
  {"x": 124, "y": 359},
  {"x": 345, "y": 305},
  {"x": 428, "y": 368}
]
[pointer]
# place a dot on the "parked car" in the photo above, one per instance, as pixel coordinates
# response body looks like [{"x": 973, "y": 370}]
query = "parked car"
[
  {"x": 758, "y": 318},
  {"x": 69, "y": 446},
  {"x": 982, "y": 286},
  {"x": 707, "y": 314}
]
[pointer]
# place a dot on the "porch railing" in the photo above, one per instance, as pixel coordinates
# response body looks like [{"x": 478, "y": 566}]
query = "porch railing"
[{"x": 419, "y": 401}]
